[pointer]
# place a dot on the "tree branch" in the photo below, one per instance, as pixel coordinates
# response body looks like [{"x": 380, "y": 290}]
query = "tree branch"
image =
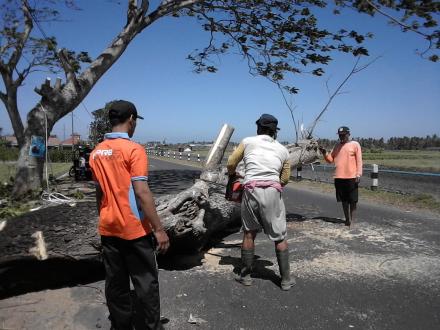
[
  {"x": 404, "y": 26},
  {"x": 395, "y": 20},
  {"x": 3, "y": 97},
  {"x": 131, "y": 10},
  {"x": 291, "y": 109},
  {"x": 67, "y": 67},
  {"x": 21, "y": 41},
  {"x": 166, "y": 7},
  {"x": 21, "y": 76},
  {"x": 353, "y": 71}
]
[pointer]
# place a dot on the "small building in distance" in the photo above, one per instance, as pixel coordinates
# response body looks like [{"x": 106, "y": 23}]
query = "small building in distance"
[{"x": 52, "y": 142}]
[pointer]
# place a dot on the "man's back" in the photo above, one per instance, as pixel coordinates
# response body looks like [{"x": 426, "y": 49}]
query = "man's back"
[
  {"x": 263, "y": 158},
  {"x": 116, "y": 162}
]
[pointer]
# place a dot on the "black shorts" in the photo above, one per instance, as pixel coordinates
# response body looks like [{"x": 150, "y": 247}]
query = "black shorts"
[{"x": 346, "y": 190}]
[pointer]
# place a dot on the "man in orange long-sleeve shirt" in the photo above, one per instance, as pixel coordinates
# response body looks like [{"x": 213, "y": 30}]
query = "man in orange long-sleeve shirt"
[{"x": 347, "y": 157}]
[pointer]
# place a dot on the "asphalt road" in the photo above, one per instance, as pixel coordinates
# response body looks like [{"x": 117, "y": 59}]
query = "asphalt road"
[
  {"x": 401, "y": 182},
  {"x": 382, "y": 273}
]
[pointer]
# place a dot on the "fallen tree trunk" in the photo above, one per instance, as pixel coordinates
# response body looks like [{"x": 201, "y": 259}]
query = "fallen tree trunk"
[
  {"x": 191, "y": 217},
  {"x": 303, "y": 152}
]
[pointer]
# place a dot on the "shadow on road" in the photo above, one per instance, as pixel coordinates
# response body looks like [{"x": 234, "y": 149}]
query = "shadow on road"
[
  {"x": 330, "y": 219},
  {"x": 259, "y": 269},
  {"x": 165, "y": 182},
  {"x": 33, "y": 275},
  {"x": 294, "y": 217}
]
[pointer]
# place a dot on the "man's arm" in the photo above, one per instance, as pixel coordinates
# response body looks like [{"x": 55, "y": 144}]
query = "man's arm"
[
  {"x": 235, "y": 158},
  {"x": 285, "y": 173},
  {"x": 145, "y": 197},
  {"x": 328, "y": 157},
  {"x": 98, "y": 196},
  {"x": 359, "y": 163}
]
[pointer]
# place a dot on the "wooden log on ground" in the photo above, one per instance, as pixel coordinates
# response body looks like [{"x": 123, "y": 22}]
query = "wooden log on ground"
[
  {"x": 304, "y": 152},
  {"x": 191, "y": 217}
]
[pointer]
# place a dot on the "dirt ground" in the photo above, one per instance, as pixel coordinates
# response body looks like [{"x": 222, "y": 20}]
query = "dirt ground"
[
  {"x": 382, "y": 273},
  {"x": 373, "y": 268}
]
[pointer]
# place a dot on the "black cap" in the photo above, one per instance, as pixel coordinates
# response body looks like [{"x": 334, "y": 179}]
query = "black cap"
[
  {"x": 343, "y": 130},
  {"x": 122, "y": 110},
  {"x": 268, "y": 121}
]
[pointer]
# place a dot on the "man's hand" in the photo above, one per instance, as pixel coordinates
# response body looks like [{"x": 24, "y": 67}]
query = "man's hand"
[
  {"x": 163, "y": 242},
  {"x": 323, "y": 151},
  {"x": 358, "y": 179},
  {"x": 238, "y": 175}
]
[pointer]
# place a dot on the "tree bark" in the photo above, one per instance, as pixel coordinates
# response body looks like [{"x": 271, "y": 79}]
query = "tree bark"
[
  {"x": 29, "y": 173},
  {"x": 62, "y": 238},
  {"x": 303, "y": 152}
]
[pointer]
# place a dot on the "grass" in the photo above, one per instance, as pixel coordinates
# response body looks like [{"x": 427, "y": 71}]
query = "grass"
[
  {"x": 412, "y": 160},
  {"x": 7, "y": 170},
  {"x": 11, "y": 208}
]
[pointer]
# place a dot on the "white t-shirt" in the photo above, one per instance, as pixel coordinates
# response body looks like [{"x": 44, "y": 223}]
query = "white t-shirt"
[
  {"x": 263, "y": 158},
  {"x": 82, "y": 162}
]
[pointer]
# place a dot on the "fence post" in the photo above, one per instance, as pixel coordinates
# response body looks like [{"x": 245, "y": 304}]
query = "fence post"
[
  {"x": 180, "y": 155},
  {"x": 174, "y": 155},
  {"x": 168, "y": 154},
  {"x": 375, "y": 177},
  {"x": 189, "y": 156},
  {"x": 198, "y": 157},
  {"x": 298, "y": 173}
]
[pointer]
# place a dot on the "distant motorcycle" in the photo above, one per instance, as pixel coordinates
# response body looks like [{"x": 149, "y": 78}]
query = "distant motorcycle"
[{"x": 72, "y": 171}]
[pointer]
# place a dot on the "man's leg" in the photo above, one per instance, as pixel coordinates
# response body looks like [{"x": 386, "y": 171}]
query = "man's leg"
[
  {"x": 352, "y": 211},
  {"x": 141, "y": 262},
  {"x": 248, "y": 240},
  {"x": 282, "y": 252},
  {"x": 346, "y": 208},
  {"x": 247, "y": 257},
  {"x": 281, "y": 245},
  {"x": 117, "y": 284}
]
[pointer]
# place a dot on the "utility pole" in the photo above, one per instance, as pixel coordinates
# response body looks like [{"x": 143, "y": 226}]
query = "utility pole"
[{"x": 73, "y": 141}]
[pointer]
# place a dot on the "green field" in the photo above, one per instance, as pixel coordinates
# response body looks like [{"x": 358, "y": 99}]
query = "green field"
[
  {"x": 412, "y": 160},
  {"x": 7, "y": 170}
]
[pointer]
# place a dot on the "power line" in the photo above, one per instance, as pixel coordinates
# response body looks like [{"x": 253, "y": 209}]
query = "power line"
[
  {"x": 87, "y": 110},
  {"x": 37, "y": 23}
]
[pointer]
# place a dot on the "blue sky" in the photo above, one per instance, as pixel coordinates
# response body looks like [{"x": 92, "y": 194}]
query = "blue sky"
[{"x": 398, "y": 95}]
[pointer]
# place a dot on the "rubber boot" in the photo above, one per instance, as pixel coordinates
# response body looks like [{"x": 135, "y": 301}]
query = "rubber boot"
[
  {"x": 284, "y": 266},
  {"x": 247, "y": 258}
]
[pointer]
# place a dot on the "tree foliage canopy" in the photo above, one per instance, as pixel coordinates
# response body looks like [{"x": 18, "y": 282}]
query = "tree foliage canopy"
[
  {"x": 285, "y": 37},
  {"x": 278, "y": 38},
  {"x": 36, "y": 52},
  {"x": 99, "y": 126}
]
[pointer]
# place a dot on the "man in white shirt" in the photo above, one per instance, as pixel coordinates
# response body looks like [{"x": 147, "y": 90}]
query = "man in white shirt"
[{"x": 267, "y": 170}]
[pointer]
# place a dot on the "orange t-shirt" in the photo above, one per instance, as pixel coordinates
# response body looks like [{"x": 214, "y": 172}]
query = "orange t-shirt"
[
  {"x": 115, "y": 163},
  {"x": 348, "y": 160}
]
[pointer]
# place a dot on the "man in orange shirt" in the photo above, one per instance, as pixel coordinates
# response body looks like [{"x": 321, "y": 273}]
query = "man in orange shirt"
[
  {"x": 347, "y": 157},
  {"x": 128, "y": 222}
]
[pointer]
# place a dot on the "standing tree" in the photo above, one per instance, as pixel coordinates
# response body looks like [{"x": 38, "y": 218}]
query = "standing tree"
[
  {"x": 99, "y": 126},
  {"x": 276, "y": 37}
]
